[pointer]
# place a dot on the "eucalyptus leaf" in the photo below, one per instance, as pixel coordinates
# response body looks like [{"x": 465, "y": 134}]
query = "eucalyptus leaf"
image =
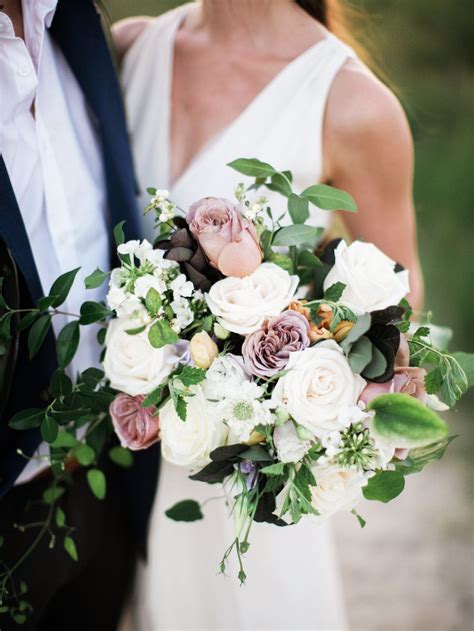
[
  {"x": 97, "y": 483},
  {"x": 377, "y": 365},
  {"x": 360, "y": 354},
  {"x": 298, "y": 207},
  {"x": 252, "y": 167},
  {"x": 306, "y": 258},
  {"x": 361, "y": 326},
  {"x": 329, "y": 198},
  {"x": 84, "y": 454},
  {"x": 121, "y": 456},
  {"x": 297, "y": 234}
]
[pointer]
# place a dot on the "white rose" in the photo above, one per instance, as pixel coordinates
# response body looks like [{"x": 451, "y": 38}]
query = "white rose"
[
  {"x": 319, "y": 382},
  {"x": 131, "y": 363},
  {"x": 289, "y": 447},
  {"x": 189, "y": 443},
  {"x": 224, "y": 377},
  {"x": 369, "y": 275},
  {"x": 242, "y": 304},
  {"x": 336, "y": 490}
]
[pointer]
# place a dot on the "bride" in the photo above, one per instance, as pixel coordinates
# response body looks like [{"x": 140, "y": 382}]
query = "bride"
[{"x": 204, "y": 84}]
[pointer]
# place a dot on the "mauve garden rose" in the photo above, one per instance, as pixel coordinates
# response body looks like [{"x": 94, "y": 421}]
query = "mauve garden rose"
[
  {"x": 267, "y": 350},
  {"x": 406, "y": 380},
  {"x": 229, "y": 240},
  {"x": 135, "y": 426}
]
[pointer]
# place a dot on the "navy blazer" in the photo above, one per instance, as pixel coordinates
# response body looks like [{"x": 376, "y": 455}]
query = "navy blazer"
[{"x": 77, "y": 30}]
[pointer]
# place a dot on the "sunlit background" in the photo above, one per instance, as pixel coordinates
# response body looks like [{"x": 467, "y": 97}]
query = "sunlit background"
[{"x": 411, "y": 567}]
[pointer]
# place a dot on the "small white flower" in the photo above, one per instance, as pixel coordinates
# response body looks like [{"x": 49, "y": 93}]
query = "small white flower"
[
  {"x": 252, "y": 211},
  {"x": 181, "y": 287},
  {"x": 245, "y": 411},
  {"x": 124, "y": 304},
  {"x": 156, "y": 257},
  {"x": 331, "y": 442},
  {"x": 129, "y": 247},
  {"x": 160, "y": 196},
  {"x": 184, "y": 315},
  {"x": 145, "y": 283},
  {"x": 239, "y": 192},
  {"x": 352, "y": 414},
  {"x": 115, "y": 297},
  {"x": 224, "y": 377},
  {"x": 289, "y": 446},
  {"x": 167, "y": 212},
  {"x": 198, "y": 295},
  {"x": 142, "y": 251},
  {"x": 118, "y": 277}
]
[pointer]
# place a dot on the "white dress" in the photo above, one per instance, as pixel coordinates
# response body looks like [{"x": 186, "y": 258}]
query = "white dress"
[{"x": 293, "y": 580}]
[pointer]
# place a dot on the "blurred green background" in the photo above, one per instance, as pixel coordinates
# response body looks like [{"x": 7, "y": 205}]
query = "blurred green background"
[{"x": 425, "y": 49}]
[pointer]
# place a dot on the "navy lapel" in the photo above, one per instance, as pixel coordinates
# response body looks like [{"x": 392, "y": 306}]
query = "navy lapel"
[
  {"x": 12, "y": 230},
  {"x": 77, "y": 29}
]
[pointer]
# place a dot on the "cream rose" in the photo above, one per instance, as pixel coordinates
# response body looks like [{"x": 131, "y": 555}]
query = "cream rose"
[
  {"x": 369, "y": 275},
  {"x": 189, "y": 443},
  {"x": 242, "y": 304},
  {"x": 319, "y": 382},
  {"x": 290, "y": 448},
  {"x": 131, "y": 363},
  {"x": 336, "y": 490}
]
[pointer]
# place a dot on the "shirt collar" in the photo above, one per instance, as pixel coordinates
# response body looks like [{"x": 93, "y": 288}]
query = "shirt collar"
[{"x": 39, "y": 11}]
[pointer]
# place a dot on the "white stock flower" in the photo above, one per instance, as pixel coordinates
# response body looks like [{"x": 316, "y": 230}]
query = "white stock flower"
[
  {"x": 242, "y": 304},
  {"x": 336, "y": 490},
  {"x": 181, "y": 287},
  {"x": 129, "y": 247},
  {"x": 290, "y": 448},
  {"x": 131, "y": 363},
  {"x": 369, "y": 275},
  {"x": 160, "y": 196},
  {"x": 118, "y": 277},
  {"x": 224, "y": 377},
  {"x": 156, "y": 257},
  {"x": 331, "y": 443},
  {"x": 124, "y": 304},
  {"x": 189, "y": 443},
  {"x": 184, "y": 314},
  {"x": 318, "y": 384},
  {"x": 144, "y": 283},
  {"x": 143, "y": 249}
]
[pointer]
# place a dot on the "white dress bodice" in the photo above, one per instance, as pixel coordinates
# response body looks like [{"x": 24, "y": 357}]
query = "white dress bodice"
[{"x": 293, "y": 582}]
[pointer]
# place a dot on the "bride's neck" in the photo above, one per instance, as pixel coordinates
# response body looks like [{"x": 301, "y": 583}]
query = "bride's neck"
[{"x": 258, "y": 23}]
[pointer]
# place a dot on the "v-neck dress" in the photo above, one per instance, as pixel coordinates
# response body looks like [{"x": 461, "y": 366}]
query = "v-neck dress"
[{"x": 293, "y": 580}]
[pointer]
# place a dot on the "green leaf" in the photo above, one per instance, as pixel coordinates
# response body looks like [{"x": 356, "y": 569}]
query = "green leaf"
[
  {"x": 282, "y": 260},
  {"x": 95, "y": 279},
  {"x": 384, "y": 486},
  {"x": 329, "y": 198},
  {"x": 46, "y": 302},
  {"x": 60, "y": 384},
  {"x": 53, "y": 493},
  {"x": 298, "y": 207},
  {"x": 64, "y": 440},
  {"x": 19, "y": 618},
  {"x": 279, "y": 184},
  {"x": 121, "y": 456},
  {"x": 93, "y": 312},
  {"x": 84, "y": 454},
  {"x": 274, "y": 469},
  {"x": 154, "y": 398},
  {"x": 62, "y": 286},
  {"x": 405, "y": 421},
  {"x": 377, "y": 366},
  {"x": 180, "y": 404},
  {"x": 136, "y": 331},
  {"x": 334, "y": 292},
  {"x": 153, "y": 301},
  {"x": 37, "y": 334},
  {"x": 186, "y": 510},
  {"x": 466, "y": 361},
  {"x": 161, "y": 333},
  {"x": 418, "y": 458},
  {"x": 191, "y": 376},
  {"x": 97, "y": 483},
  {"x": 60, "y": 517},
  {"x": 67, "y": 343},
  {"x": 434, "y": 381},
  {"x": 27, "y": 320},
  {"x": 360, "y": 355},
  {"x": 297, "y": 234},
  {"x": 256, "y": 453},
  {"x": 70, "y": 547},
  {"x": 91, "y": 377},
  {"x": 101, "y": 333},
  {"x": 49, "y": 429},
  {"x": 119, "y": 235},
  {"x": 26, "y": 419},
  {"x": 360, "y": 519},
  {"x": 252, "y": 167},
  {"x": 306, "y": 258}
]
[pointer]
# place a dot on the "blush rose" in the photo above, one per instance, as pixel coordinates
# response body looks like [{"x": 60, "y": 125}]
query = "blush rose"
[{"x": 136, "y": 427}]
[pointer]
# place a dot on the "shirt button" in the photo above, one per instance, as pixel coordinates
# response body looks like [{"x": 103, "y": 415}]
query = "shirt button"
[{"x": 24, "y": 70}]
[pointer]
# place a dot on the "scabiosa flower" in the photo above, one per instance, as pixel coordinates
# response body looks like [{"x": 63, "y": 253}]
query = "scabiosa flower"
[{"x": 244, "y": 411}]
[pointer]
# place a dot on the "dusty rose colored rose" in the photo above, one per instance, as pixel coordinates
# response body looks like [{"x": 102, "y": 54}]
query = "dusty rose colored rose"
[
  {"x": 406, "y": 380},
  {"x": 267, "y": 350},
  {"x": 135, "y": 426},
  {"x": 229, "y": 240}
]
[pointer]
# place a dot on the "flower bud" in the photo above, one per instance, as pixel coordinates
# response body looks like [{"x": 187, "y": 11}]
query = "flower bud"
[
  {"x": 220, "y": 332},
  {"x": 342, "y": 330},
  {"x": 303, "y": 433},
  {"x": 203, "y": 349},
  {"x": 281, "y": 416}
]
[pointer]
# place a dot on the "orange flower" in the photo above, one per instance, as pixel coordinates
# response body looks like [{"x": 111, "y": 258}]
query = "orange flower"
[{"x": 322, "y": 330}]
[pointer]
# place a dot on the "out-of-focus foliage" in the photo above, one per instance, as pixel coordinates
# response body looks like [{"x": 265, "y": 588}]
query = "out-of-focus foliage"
[{"x": 425, "y": 47}]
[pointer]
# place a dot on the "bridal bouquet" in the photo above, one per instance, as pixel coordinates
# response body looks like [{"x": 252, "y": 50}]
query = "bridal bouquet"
[{"x": 295, "y": 380}]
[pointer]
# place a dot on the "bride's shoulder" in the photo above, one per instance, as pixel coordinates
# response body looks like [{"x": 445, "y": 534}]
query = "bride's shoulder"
[
  {"x": 126, "y": 32},
  {"x": 361, "y": 111}
]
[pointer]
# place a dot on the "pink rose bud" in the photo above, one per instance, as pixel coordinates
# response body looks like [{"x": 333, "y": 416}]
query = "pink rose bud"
[
  {"x": 229, "y": 240},
  {"x": 135, "y": 426}
]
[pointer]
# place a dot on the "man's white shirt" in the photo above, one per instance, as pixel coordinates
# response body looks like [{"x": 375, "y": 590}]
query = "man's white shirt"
[{"x": 52, "y": 155}]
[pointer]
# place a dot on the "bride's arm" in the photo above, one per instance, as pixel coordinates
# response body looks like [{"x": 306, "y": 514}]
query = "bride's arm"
[
  {"x": 126, "y": 31},
  {"x": 368, "y": 151}
]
